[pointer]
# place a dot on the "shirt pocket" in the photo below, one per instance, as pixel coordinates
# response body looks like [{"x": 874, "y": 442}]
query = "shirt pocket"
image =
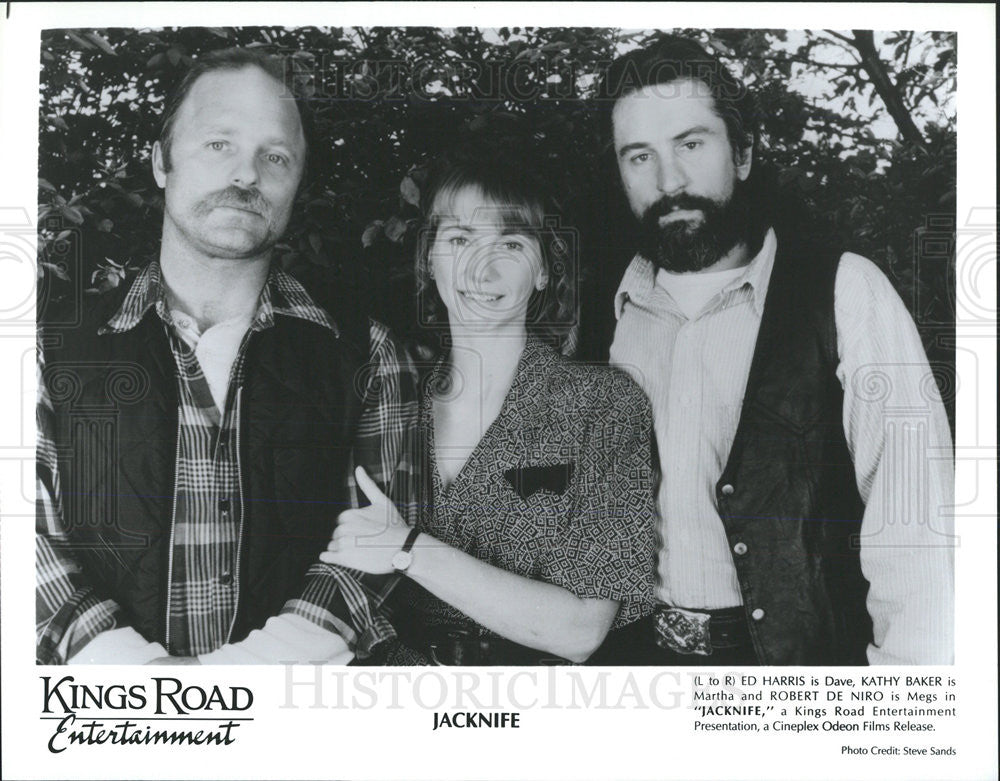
[
  {"x": 535, "y": 504},
  {"x": 530, "y": 479}
]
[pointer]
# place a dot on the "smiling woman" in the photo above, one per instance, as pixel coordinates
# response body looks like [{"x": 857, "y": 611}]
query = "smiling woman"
[
  {"x": 491, "y": 235},
  {"x": 486, "y": 268},
  {"x": 536, "y": 533}
]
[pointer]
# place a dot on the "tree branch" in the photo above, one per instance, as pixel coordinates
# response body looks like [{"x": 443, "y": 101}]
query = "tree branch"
[
  {"x": 844, "y": 38},
  {"x": 906, "y": 51},
  {"x": 864, "y": 42},
  {"x": 365, "y": 40},
  {"x": 857, "y": 139},
  {"x": 849, "y": 67}
]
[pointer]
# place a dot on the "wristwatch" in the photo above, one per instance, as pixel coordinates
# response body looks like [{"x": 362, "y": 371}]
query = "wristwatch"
[{"x": 403, "y": 558}]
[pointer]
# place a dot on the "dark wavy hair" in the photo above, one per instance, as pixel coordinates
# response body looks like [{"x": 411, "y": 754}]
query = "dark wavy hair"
[
  {"x": 523, "y": 203},
  {"x": 668, "y": 59}
]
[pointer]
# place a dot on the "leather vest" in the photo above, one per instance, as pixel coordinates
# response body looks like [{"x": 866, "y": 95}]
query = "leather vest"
[
  {"x": 787, "y": 496},
  {"x": 115, "y": 399}
]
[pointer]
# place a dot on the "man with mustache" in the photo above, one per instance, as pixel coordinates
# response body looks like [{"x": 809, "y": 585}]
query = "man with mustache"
[
  {"x": 198, "y": 429},
  {"x": 805, "y": 456}
]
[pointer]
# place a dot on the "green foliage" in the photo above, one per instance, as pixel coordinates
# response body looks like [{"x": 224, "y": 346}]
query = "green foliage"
[{"x": 385, "y": 100}]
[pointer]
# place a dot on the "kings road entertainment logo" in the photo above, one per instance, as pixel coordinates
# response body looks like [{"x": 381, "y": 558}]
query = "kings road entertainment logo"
[{"x": 158, "y": 711}]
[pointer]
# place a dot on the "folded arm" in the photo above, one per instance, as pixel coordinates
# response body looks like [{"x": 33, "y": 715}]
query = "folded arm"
[
  {"x": 349, "y": 603},
  {"x": 604, "y": 558}
]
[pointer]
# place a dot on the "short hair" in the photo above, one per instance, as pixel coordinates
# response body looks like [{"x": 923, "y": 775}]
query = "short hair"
[
  {"x": 232, "y": 59},
  {"x": 523, "y": 203},
  {"x": 672, "y": 58}
]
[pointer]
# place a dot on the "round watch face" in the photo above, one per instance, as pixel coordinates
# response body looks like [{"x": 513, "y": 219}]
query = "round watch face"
[{"x": 401, "y": 560}]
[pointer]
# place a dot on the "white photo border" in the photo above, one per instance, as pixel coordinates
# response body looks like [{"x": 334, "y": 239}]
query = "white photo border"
[{"x": 394, "y": 738}]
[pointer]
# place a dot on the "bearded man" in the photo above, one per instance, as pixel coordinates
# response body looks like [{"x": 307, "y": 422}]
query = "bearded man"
[{"x": 805, "y": 456}]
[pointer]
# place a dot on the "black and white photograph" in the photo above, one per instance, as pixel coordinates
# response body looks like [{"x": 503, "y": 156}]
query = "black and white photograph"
[{"x": 449, "y": 376}]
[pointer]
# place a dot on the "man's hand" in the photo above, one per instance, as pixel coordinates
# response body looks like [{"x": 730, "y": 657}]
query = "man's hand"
[
  {"x": 366, "y": 539},
  {"x": 175, "y": 660}
]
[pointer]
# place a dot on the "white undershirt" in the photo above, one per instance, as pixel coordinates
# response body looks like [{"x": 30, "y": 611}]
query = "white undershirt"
[
  {"x": 692, "y": 291},
  {"x": 284, "y": 638},
  {"x": 215, "y": 349},
  {"x": 695, "y": 369}
]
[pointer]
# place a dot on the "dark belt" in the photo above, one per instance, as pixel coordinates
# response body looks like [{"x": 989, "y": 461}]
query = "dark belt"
[
  {"x": 687, "y": 631},
  {"x": 458, "y": 645}
]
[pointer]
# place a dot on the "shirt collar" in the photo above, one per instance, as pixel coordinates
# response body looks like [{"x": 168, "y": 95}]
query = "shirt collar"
[
  {"x": 640, "y": 278},
  {"x": 284, "y": 295},
  {"x": 281, "y": 295},
  {"x": 146, "y": 291}
]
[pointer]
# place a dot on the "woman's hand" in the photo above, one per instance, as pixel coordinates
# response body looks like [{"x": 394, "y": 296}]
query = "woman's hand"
[{"x": 367, "y": 538}]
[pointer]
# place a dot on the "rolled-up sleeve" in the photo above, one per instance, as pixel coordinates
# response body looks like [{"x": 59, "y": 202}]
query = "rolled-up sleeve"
[
  {"x": 608, "y": 544},
  {"x": 348, "y": 602}
]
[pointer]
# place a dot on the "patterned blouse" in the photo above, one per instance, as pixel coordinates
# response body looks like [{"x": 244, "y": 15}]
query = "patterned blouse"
[{"x": 559, "y": 489}]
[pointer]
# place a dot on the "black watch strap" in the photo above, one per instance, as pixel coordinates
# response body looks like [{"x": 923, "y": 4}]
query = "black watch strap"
[
  {"x": 410, "y": 539},
  {"x": 402, "y": 559}
]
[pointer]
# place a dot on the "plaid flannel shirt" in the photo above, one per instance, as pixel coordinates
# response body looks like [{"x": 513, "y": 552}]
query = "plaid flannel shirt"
[{"x": 205, "y": 546}]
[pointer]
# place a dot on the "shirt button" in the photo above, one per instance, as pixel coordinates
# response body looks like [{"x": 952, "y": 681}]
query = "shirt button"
[
  {"x": 740, "y": 548},
  {"x": 728, "y": 490},
  {"x": 757, "y": 614},
  {"x": 226, "y": 578}
]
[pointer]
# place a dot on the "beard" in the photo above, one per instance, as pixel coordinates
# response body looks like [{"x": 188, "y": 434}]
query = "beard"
[{"x": 685, "y": 245}]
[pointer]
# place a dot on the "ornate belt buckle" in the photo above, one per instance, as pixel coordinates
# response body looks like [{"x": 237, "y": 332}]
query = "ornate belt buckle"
[{"x": 683, "y": 631}]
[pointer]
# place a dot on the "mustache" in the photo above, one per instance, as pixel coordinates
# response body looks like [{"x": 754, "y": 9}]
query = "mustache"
[
  {"x": 240, "y": 198},
  {"x": 683, "y": 201}
]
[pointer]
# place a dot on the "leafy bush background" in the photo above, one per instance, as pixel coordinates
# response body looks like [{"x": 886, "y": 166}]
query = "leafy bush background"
[{"x": 386, "y": 99}]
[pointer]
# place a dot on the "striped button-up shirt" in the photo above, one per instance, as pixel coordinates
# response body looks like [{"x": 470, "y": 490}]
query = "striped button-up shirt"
[
  {"x": 695, "y": 371},
  {"x": 206, "y": 527}
]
